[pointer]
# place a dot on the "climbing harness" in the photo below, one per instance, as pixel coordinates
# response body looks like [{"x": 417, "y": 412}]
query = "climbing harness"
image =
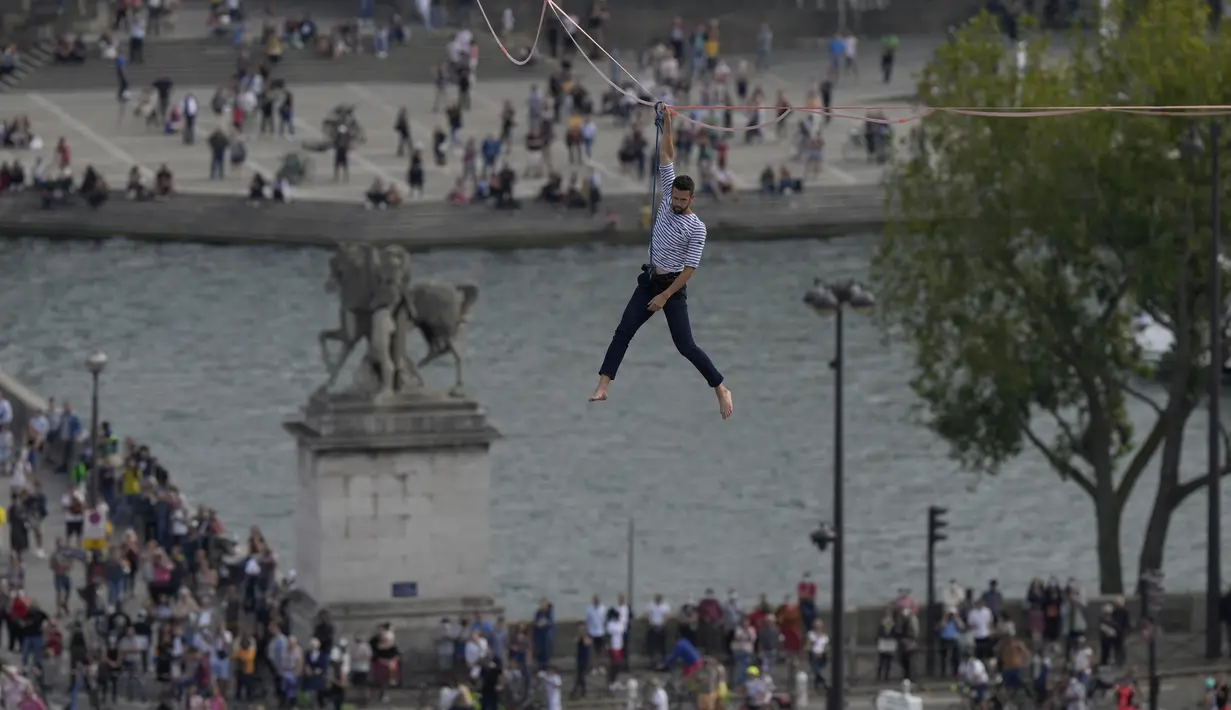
[{"x": 647, "y": 270}]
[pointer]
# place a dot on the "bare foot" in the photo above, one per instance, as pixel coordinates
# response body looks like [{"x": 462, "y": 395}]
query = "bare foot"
[
  {"x": 726, "y": 404},
  {"x": 600, "y": 392}
]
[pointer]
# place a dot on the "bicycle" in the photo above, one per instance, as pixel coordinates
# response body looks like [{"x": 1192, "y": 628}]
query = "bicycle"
[{"x": 681, "y": 692}]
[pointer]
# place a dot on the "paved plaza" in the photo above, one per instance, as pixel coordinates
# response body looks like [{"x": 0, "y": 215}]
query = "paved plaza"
[{"x": 113, "y": 141}]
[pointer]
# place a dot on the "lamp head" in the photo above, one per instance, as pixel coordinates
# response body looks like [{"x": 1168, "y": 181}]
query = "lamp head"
[
  {"x": 861, "y": 299},
  {"x": 96, "y": 362},
  {"x": 822, "y": 299}
]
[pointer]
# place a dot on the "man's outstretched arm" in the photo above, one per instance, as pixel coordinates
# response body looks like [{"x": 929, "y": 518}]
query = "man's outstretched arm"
[{"x": 666, "y": 151}]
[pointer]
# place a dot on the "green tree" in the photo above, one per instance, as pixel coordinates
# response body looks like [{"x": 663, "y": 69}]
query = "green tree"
[{"x": 1020, "y": 249}]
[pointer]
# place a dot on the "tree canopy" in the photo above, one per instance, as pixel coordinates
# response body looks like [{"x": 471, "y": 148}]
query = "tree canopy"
[{"x": 1021, "y": 248}]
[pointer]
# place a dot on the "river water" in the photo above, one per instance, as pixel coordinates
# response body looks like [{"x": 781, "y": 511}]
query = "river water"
[{"x": 211, "y": 348}]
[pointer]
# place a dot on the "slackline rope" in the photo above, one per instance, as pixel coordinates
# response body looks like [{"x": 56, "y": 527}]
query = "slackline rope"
[{"x": 654, "y": 206}]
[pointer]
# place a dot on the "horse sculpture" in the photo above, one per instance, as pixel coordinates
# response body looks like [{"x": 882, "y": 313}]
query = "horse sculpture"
[
  {"x": 377, "y": 302},
  {"x": 439, "y": 310}
]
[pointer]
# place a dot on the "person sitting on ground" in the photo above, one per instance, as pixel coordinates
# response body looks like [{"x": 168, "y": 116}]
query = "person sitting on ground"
[
  {"x": 725, "y": 182},
  {"x": 291, "y": 31},
  {"x": 393, "y": 198},
  {"x": 483, "y": 188},
  {"x": 769, "y": 182},
  {"x": 17, "y": 133},
  {"x": 55, "y": 191},
  {"x": 38, "y": 173},
  {"x": 458, "y": 194},
  {"x": 136, "y": 189},
  {"x": 163, "y": 182},
  {"x": 504, "y": 190},
  {"x": 106, "y": 47},
  {"x": 574, "y": 198},
  {"x": 17, "y": 177},
  {"x": 89, "y": 180},
  {"x": 9, "y": 60},
  {"x": 256, "y": 189},
  {"x": 175, "y": 120},
  {"x": 787, "y": 184},
  {"x": 376, "y": 196},
  {"x": 98, "y": 191},
  {"x": 282, "y": 190},
  {"x": 307, "y": 31},
  {"x": 551, "y": 191},
  {"x": 70, "y": 50}
]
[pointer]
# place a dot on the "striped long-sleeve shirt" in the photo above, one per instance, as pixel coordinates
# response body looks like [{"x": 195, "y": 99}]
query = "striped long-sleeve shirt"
[{"x": 678, "y": 239}]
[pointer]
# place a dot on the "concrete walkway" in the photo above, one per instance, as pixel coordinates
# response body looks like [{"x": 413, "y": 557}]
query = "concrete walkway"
[{"x": 102, "y": 135}]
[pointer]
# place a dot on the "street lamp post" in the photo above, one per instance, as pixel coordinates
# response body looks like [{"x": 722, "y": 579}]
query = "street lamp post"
[
  {"x": 95, "y": 364},
  {"x": 1193, "y": 146},
  {"x": 1213, "y": 550},
  {"x": 826, "y": 300}
]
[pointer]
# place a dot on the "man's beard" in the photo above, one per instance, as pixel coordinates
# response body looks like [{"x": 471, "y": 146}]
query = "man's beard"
[{"x": 678, "y": 210}]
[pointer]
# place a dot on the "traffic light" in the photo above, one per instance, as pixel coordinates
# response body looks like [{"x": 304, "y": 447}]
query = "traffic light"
[{"x": 937, "y": 525}]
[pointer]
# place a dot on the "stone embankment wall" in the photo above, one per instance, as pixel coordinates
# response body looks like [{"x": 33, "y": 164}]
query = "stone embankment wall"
[{"x": 820, "y": 212}]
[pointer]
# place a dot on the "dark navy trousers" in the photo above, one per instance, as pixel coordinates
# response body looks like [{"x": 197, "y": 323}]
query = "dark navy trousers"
[{"x": 636, "y": 313}]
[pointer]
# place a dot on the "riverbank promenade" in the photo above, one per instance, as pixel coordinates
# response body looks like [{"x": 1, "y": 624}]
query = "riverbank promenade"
[
  {"x": 106, "y": 135},
  {"x": 1179, "y": 650}
]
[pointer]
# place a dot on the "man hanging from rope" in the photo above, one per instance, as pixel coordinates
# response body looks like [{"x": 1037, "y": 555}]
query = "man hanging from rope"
[{"x": 676, "y": 244}]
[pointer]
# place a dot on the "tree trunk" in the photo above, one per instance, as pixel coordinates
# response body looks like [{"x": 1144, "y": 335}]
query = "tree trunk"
[
  {"x": 1166, "y": 500},
  {"x": 1111, "y": 570},
  {"x": 1156, "y": 531}
]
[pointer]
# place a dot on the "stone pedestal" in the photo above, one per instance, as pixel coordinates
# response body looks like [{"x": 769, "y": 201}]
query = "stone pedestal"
[{"x": 392, "y": 518}]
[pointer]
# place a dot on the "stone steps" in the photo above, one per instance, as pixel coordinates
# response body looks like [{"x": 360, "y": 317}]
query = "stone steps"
[
  {"x": 211, "y": 62},
  {"x": 32, "y": 59},
  {"x": 634, "y": 24}
]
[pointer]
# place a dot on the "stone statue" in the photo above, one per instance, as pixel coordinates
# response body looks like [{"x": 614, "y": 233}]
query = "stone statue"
[
  {"x": 439, "y": 310},
  {"x": 379, "y": 303},
  {"x": 370, "y": 283}
]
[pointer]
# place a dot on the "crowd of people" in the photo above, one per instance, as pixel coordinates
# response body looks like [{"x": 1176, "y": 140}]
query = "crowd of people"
[
  {"x": 53, "y": 181},
  {"x": 151, "y": 599},
  {"x": 685, "y": 69},
  {"x": 16, "y": 133},
  {"x": 688, "y": 67}
]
